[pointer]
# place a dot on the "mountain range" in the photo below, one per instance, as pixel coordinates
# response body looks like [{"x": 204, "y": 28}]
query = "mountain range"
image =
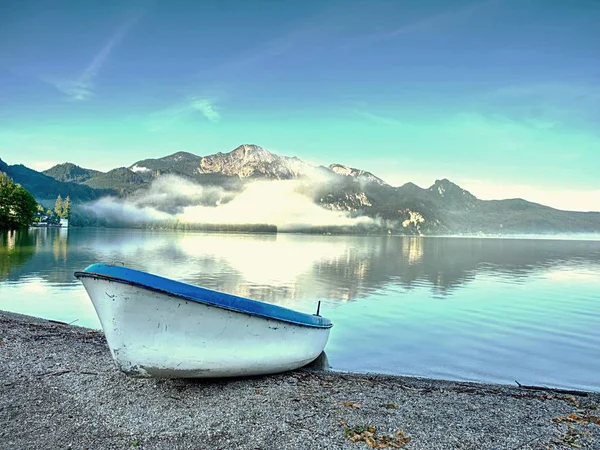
[{"x": 443, "y": 208}]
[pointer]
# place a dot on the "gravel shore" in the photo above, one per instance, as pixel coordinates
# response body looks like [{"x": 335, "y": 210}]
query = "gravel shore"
[{"x": 59, "y": 389}]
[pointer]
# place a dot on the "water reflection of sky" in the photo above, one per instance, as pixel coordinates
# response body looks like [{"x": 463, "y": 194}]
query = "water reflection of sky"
[{"x": 481, "y": 309}]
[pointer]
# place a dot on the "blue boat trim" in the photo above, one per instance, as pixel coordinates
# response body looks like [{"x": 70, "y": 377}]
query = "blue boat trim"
[{"x": 202, "y": 295}]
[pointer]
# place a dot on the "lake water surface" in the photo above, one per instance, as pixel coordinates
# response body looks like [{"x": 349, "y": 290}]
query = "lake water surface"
[{"x": 493, "y": 310}]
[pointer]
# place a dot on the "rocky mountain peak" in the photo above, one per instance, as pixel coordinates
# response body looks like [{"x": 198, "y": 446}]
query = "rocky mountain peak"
[
  {"x": 251, "y": 151},
  {"x": 179, "y": 156},
  {"x": 444, "y": 182},
  {"x": 446, "y": 187},
  {"x": 452, "y": 195},
  {"x": 358, "y": 174},
  {"x": 411, "y": 189},
  {"x": 444, "y": 207},
  {"x": 252, "y": 161}
]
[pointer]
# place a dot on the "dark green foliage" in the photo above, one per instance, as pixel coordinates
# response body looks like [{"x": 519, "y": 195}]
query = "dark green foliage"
[
  {"x": 17, "y": 206},
  {"x": 121, "y": 180},
  {"x": 43, "y": 187}
]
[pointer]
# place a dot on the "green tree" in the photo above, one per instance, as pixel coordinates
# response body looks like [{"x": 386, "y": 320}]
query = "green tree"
[
  {"x": 17, "y": 205},
  {"x": 66, "y": 208},
  {"x": 38, "y": 213},
  {"x": 58, "y": 206}
]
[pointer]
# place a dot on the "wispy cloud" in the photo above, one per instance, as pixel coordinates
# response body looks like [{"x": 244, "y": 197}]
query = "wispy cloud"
[
  {"x": 207, "y": 109},
  {"x": 453, "y": 15},
  {"x": 82, "y": 87},
  {"x": 568, "y": 92},
  {"x": 167, "y": 117},
  {"x": 313, "y": 33},
  {"x": 546, "y": 105},
  {"x": 376, "y": 118}
]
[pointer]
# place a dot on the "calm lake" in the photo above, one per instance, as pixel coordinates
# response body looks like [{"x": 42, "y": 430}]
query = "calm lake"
[{"x": 493, "y": 310}]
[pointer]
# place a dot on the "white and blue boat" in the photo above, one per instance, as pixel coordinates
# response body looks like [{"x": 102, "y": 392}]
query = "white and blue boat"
[{"x": 158, "y": 327}]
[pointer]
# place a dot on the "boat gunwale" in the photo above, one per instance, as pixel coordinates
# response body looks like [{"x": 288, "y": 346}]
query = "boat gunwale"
[{"x": 83, "y": 274}]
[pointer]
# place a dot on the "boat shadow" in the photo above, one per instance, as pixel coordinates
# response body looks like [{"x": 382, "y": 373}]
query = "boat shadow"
[{"x": 180, "y": 385}]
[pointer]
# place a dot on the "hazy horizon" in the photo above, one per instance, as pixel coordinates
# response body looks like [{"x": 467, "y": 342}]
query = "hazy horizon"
[{"x": 499, "y": 96}]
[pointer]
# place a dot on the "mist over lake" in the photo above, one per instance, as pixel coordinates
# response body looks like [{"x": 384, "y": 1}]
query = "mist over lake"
[{"x": 478, "y": 309}]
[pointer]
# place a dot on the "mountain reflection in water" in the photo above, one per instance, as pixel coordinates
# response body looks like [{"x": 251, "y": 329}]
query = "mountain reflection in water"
[{"x": 286, "y": 267}]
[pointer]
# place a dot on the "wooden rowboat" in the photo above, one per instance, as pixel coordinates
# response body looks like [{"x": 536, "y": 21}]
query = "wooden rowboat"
[{"x": 158, "y": 327}]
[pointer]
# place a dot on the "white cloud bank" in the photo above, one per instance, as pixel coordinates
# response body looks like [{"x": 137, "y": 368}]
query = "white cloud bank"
[{"x": 279, "y": 203}]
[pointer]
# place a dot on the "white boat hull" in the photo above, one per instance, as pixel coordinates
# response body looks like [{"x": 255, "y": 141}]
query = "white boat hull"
[{"x": 153, "y": 334}]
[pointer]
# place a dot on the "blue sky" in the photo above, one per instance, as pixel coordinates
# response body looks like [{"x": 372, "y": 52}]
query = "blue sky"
[{"x": 500, "y": 96}]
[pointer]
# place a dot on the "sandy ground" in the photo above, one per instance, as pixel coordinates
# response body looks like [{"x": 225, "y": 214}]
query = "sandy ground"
[{"x": 59, "y": 388}]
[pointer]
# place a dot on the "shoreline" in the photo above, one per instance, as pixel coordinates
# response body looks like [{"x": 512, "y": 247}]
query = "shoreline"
[
  {"x": 59, "y": 388},
  {"x": 575, "y": 236}
]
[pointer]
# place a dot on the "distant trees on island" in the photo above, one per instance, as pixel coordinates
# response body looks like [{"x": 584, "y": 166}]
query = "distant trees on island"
[{"x": 18, "y": 208}]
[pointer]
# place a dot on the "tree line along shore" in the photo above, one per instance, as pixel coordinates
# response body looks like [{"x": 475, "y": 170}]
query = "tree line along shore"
[{"x": 19, "y": 209}]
